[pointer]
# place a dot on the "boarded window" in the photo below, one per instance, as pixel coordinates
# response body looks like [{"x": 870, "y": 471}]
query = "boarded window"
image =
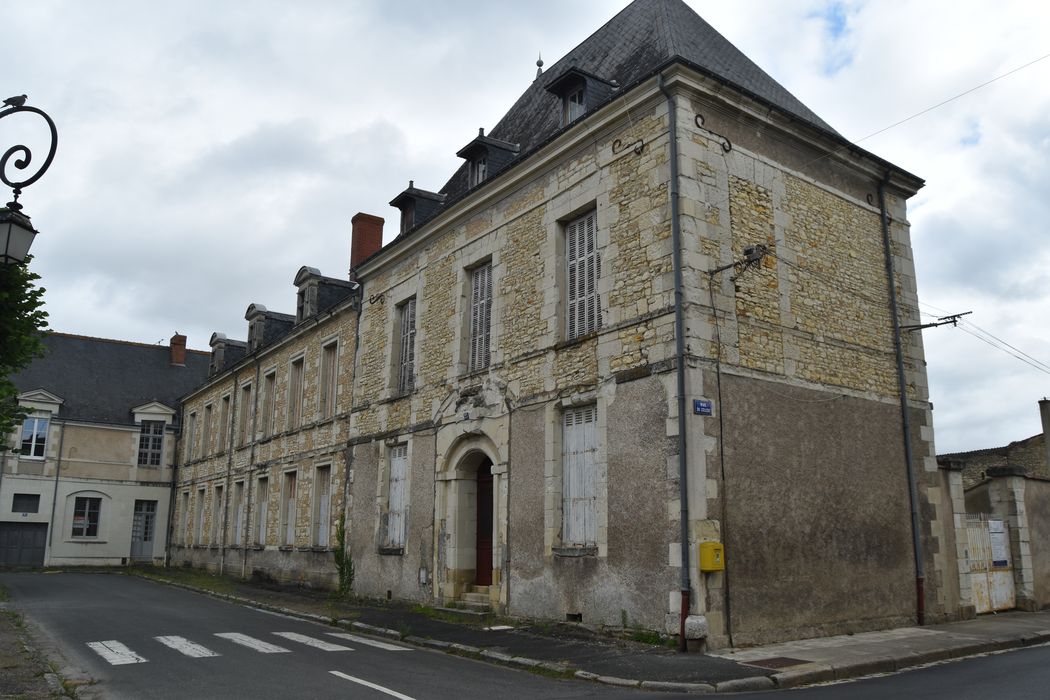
[
  {"x": 151, "y": 443},
  {"x": 224, "y": 422},
  {"x": 184, "y": 518},
  {"x": 322, "y": 506},
  {"x": 269, "y": 399},
  {"x": 288, "y": 510},
  {"x": 397, "y": 497},
  {"x": 25, "y": 503},
  {"x": 580, "y": 477},
  {"x": 480, "y": 316},
  {"x": 217, "y": 516},
  {"x": 238, "y": 513},
  {"x": 191, "y": 437},
  {"x": 262, "y": 508},
  {"x": 206, "y": 431},
  {"x": 406, "y": 375},
  {"x": 86, "y": 513},
  {"x": 584, "y": 267},
  {"x": 244, "y": 424},
  {"x": 295, "y": 394},
  {"x": 328, "y": 380},
  {"x": 198, "y": 536}
]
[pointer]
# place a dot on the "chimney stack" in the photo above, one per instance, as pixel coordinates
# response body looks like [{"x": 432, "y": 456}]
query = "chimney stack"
[
  {"x": 366, "y": 237},
  {"x": 178, "y": 349}
]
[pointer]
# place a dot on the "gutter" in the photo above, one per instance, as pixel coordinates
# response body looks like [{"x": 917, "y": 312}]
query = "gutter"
[
  {"x": 909, "y": 461},
  {"x": 54, "y": 494},
  {"x": 679, "y": 334},
  {"x": 174, "y": 488}
]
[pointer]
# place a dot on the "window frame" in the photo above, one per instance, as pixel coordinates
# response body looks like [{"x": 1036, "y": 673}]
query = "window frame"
[
  {"x": 583, "y": 271},
  {"x": 269, "y": 402},
  {"x": 396, "y": 500},
  {"x": 191, "y": 436},
  {"x": 262, "y": 510},
  {"x": 580, "y": 455},
  {"x": 244, "y": 413},
  {"x": 224, "y": 420},
  {"x": 289, "y": 506},
  {"x": 328, "y": 379},
  {"x": 206, "y": 421},
  {"x": 321, "y": 520},
  {"x": 151, "y": 432},
  {"x": 19, "y": 503},
  {"x": 296, "y": 375},
  {"x": 218, "y": 501},
  {"x": 37, "y": 438},
  {"x": 238, "y": 513},
  {"x": 88, "y": 511},
  {"x": 479, "y": 334},
  {"x": 198, "y": 525},
  {"x": 407, "y": 330}
]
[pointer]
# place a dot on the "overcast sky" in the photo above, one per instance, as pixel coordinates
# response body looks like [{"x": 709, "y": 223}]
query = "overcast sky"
[{"x": 208, "y": 150}]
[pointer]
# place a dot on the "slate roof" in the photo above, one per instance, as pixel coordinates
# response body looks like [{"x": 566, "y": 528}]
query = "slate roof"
[
  {"x": 102, "y": 380},
  {"x": 633, "y": 46}
]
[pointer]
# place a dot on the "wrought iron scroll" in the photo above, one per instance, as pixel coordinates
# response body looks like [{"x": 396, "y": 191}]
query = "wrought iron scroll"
[
  {"x": 726, "y": 144},
  {"x": 23, "y": 156},
  {"x": 619, "y": 146}
]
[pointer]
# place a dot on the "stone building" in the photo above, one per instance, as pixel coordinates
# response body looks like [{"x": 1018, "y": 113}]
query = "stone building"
[
  {"x": 650, "y": 311},
  {"x": 1030, "y": 454},
  {"x": 88, "y": 478}
]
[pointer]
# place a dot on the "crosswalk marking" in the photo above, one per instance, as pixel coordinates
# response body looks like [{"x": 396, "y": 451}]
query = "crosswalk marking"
[
  {"x": 312, "y": 642},
  {"x": 373, "y": 686},
  {"x": 116, "y": 653},
  {"x": 252, "y": 643},
  {"x": 185, "y": 646},
  {"x": 370, "y": 642}
]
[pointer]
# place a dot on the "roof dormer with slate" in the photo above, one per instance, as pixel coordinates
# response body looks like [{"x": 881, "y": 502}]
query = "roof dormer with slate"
[
  {"x": 265, "y": 326},
  {"x": 578, "y": 91},
  {"x": 225, "y": 352},
  {"x": 416, "y": 205},
  {"x": 318, "y": 293},
  {"x": 487, "y": 156}
]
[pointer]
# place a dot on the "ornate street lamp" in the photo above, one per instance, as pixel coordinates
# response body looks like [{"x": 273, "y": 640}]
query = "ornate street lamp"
[{"x": 16, "y": 231}]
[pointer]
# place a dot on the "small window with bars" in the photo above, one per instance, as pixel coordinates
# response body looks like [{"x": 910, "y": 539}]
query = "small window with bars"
[
  {"x": 480, "y": 316},
  {"x": 584, "y": 268}
]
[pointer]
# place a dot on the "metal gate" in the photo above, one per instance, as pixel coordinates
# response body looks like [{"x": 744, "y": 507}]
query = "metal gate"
[
  {"x": 991, "y": 573},
  {"x": 143, "y": 528},
  {"x": 22, "y": 544}
]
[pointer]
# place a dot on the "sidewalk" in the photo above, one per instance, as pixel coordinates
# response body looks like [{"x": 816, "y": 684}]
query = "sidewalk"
[{"x": 572, "y": 650}]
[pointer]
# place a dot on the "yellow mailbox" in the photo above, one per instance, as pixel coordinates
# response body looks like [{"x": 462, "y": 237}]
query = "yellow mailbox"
[{"x": 712, "y": 556}]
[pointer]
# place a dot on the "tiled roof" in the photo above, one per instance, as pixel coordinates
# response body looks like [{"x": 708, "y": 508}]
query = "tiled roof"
[
  {"x": 102, "y": 380},
  {"x": 634, "y": 45}
]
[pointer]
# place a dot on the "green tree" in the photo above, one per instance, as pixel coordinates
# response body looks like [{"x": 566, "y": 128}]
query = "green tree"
[{"x": 22, "y": 322}]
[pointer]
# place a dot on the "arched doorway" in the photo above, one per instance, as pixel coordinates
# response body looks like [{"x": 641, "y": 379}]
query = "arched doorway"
[{"x": 483, "y": 525}]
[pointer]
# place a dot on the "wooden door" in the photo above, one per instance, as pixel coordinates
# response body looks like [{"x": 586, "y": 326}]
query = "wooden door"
[{"x": 483, "y": 567}]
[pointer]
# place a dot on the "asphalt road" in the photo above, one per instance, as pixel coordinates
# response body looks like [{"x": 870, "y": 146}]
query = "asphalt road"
[{"x": 108, "y": 626}]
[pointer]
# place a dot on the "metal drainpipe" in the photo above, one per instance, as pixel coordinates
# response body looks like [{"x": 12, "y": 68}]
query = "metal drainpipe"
[
  {"x": 251, "y": 449},
  {"x": 231, "y": 435},
  {"x": 920, "y": 574},
  {"x": 171, "y": 497},
  {"x": 679, "y": 333},
  {"x": 54, "y": 494}
]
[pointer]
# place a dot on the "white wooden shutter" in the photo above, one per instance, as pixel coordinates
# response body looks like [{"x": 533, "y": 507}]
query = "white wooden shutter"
[
  {"x": 406, "y": 373},
  {"x": 584, "y": 313},
  {"x": 580, "y": 477},
  {"x": 263, "y": 508},
  {"x": 324, "y": 499},
  {"x": 289, "y": 510},
  {"x": 480, "y": 316},
  {"x": 396, "y": 496}
]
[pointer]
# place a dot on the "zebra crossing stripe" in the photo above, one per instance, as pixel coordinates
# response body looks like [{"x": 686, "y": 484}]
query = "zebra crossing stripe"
[
  {"x": 115, "y": 653},
  {"x": 312, "y": 642},
  {"x": 252, "y": 643},
  {"x": 370, "y": 642},
  {"x": 185, "y": 646}
]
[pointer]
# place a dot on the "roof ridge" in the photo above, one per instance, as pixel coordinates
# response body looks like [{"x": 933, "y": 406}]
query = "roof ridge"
[{"x": 118, "y": 341}]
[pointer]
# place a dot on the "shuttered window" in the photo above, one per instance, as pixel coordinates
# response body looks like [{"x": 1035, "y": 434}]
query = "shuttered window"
[
  {"x": 322, "y": 505},
  {"x": 480, "y": 316},
  {"x": 584, "y": 313},
  {"x": 406, "y": 375},
  {"x": 580, "y": 477},
  {"x": 288, "y": 510},
  {"x": 397, "y": 497}
]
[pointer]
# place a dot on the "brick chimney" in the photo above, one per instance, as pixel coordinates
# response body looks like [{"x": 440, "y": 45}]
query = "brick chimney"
[
  {"x": 178, "y": 349},
  {"x": 366, "y": 237}
]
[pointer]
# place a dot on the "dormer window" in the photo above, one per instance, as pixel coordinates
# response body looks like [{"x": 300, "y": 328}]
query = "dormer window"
[
  {"x": 573, "y": 107},
  {"x": 580, "y": 91},
  {"x": 416, "y": 206},
  {"x": 479, "y": 170},
  {"x": 487, "y": 156}
]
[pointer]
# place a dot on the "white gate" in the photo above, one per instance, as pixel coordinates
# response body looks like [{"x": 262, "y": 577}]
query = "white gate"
[{"x": 991, "y": 573}]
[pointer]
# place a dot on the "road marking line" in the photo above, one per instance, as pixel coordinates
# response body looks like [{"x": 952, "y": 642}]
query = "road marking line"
[
  {"x": 373, "y": 686},
  {"x": 312, "y": 642},
  {"x": 115, "y": 653},
  {"x": 370, "y": 642},
  {"x": 185, "y": 646},
  {"x": 252, "y": 643}
]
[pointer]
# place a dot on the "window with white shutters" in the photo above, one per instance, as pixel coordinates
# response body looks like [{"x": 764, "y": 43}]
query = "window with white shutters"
[
  {"x": 584, "y": 267},
  {"x": 397, "y": 497},
  {"x": 238, "y": 514},
  {"x": 406, "y": 376},
  {"x": 480, "y": 316},
  {"x": 322, "y": 505},
  {"x": 580, "y": 477},
  {"x": 288, "y": 510},
  {"x": 262, "y": 501}
]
